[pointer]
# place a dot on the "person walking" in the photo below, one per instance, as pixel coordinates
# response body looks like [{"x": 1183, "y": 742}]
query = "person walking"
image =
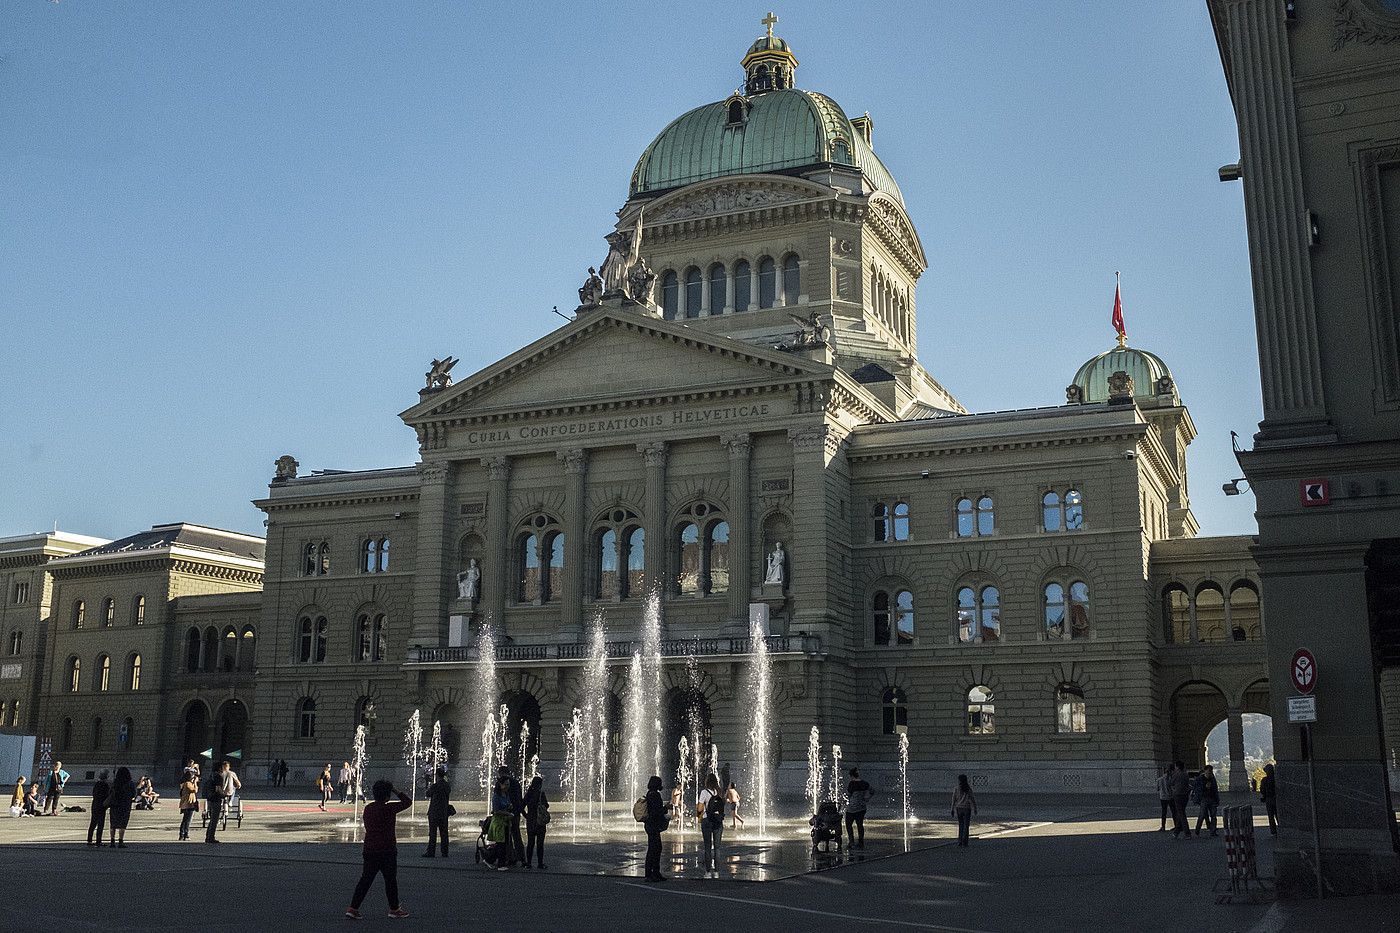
[
  {"x": 189, "y": 801},
  {"x": 123, "y": 795},
  {"x": 380, "y": 854},
  {"x": 536, "y": 822},
  {"x": 58, "y": 779},
  {"x": 101, "y": 793},
  {"x": 217, "y": 790},
  {"x": 964, "y": 806},
  {"x": 1164, "y": 795},
  {"x": 343, "y": 781},
  {"x": 439, "y": 809},
  {"x": 658, "y": 818},
  {"x": 282, "y": 770},
  {"x": 1209, "y": 800},
  {"x": 731, "y": 803},
  {"x": 857, "y": 800},
  {"x": 1268, "y": 795},
  {"x": 1180, "y": 787},
  {"x": 710, "y": 807},
  {"x": 324, "y": 785}
]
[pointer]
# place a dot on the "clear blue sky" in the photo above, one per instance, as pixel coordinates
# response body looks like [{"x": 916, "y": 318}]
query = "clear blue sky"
[{"x": 231, "y": 231}]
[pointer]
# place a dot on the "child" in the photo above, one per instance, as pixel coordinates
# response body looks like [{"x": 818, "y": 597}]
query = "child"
[{"x": 381, "y": 851}]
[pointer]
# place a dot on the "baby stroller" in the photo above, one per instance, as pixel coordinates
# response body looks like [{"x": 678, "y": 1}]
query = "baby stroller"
[
  {"x": 491, "y": 854},
  {"x": 826, "y": 826}
]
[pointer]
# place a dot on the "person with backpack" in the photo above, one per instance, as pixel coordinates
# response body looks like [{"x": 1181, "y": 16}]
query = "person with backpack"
[
  {"x": 709, "y": 810},
  {"x": 857, "y": 800}
]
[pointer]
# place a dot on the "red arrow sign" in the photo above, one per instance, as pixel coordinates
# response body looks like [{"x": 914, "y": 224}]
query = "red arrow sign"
[{"x": 1304, "y": 671}]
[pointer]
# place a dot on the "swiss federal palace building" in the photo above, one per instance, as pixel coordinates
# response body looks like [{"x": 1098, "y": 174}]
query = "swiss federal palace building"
[{"x": 736, "y": 420}]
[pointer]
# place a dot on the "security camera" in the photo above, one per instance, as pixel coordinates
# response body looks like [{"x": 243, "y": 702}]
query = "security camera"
[
  {"x": 924, "y": 474},
  {"x": 1231, "y": 172},
  {"x": 1129, "y": 455}
]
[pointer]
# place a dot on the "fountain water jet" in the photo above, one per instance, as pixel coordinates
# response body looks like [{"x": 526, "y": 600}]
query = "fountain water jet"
[
  {"x": 814, "y": 768},
  {"x": 836, "y": 791},
  {"x": 759, "y": 693},
  {"x": 412, "y": 754}
]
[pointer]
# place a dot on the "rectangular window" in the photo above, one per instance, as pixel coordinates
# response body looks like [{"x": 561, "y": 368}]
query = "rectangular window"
[{"x": 21, "y": 593}]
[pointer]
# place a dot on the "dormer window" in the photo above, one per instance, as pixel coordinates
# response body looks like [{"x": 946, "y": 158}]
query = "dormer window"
[
  {"x": 736, "y": 112},
  {"x": 841, "y": 152}
]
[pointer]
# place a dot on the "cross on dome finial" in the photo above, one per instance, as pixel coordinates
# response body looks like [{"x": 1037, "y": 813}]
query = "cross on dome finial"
[{"x": 769, "y": 21}]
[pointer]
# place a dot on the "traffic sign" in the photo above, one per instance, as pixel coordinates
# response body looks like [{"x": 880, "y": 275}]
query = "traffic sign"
[
  {"x": 1302, "y": 709},
  {"x": 1303, "y": 671},
  {"x": 1315, "y": 492}
]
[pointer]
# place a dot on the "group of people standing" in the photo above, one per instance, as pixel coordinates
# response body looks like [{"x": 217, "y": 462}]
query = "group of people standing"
[{"x": 1176, "y": 790}]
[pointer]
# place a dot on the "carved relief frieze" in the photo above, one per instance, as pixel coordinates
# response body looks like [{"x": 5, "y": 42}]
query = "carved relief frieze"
[
  {"x": 728, "y": 199},
  {"x": 1352, "y": 25}
]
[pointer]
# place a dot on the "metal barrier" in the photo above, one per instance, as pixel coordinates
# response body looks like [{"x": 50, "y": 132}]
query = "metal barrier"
[{"x": 1239, "y": 847}]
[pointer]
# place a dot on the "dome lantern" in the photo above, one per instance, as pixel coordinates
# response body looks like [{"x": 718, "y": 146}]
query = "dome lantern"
[{"x": 769, "y": 64}]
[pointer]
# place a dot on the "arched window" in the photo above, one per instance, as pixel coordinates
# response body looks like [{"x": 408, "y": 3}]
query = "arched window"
[
  {"x": 670, "y": 296},
  {"x": 374, "y": 636},
  {"x": 365, "y": 714},
  {"x": 1062, "y": 513},
  {"x": 979, "y": 614},
  {"x": 717, "y": 559},
  {"x": 79, "y": 611},
  {"x": 736, "y": 113},
  {"x": 324, "y": 553},
  {"x": 369, "y": 555},
  {"x": 619, "y": 556},
  {"x": 97, "y": 733},
  {"x": 133, "y": 677},
  {"x": 767, "y": 282},
  {"x": 893, "y": 617},
  {"x": 210, "y": 661},
  {"x": 138, "y": 611},
  {"x": 192, "y": 642},
  {"x": 1210, "y": 613},
  {"x": 552, "y": 557},
  {"x": 841, "y": 152},
  {"x": 701, "y": 552},
  {"x": 895, "y": 706},
  {"x": 967, "y": 518},
  {"x": 981, "y": 711},
  {"x": 14, "y": 714},
  {"x": 901, "y": 521},
  {"x": 880, "y": 607},
  {"x": 1067, "y": 610},
  {"x": 694, "y": 292},
  {"x": 904, "y": 618},
  {"x": 311, "y": 639},
  {"x": 985, "y": 522},
  {"x": 228, "y": 652},
  {"x": 1245, "y": 622},
  {"x": 743, "y": 285},
  {"x": 306, "y": 726},
  {"x": 879, "y": 522},
  {"x": 717, "y": 289},
  {"x": 634, "y": 552},
  {"x": 248, "y": 650},
  {"x": 792, "y": 280},
  {"x": 539, "y": 561},
  {"x": 1069, "y": 709},
  {"x": 975, "y": 517},
  {"x": 109, "y": 612},
  {"x": 104, "y": 673},
  {"x": 75, "y": 674},
  {"x": 309, "y": 562},
  {"x": 16, "y": 641},
  {"x": 529, "y": 589},
  {"x": 1176, "y": 615},
  {"x": 608, "y": 582}
]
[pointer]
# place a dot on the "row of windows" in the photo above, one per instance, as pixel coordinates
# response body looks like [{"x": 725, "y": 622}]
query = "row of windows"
[
  {"x": 313, "y": 636},
  {"x": 976, "y": 516},
  {"x": 1068, "y": 702},
  {"x": 1207, "y": 616},
  {"x": 889, "y": 302},
  {"x": 209, "y": 652},
  {"x": 373, "y": 557},
  {"x": 977, "y": 613},
  {"x": 109, "y": 612},
  {"x": 20, "y": 593},
  {"x": 125, "y": 731},
  {"x": 102, "y": 673},
  {"x": 305, "y": 726},
  {"x": 692, "y": 293}
]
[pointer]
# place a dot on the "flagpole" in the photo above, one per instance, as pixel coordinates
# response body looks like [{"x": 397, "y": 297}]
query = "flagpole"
[{"x": 1118, "y": 306}]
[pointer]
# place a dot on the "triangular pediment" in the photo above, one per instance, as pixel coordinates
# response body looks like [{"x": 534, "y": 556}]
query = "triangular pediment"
[{"x": 614, "y": 356}]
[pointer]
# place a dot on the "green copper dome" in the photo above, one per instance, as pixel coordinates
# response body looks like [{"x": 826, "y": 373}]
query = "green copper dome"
[
  {"x": 781, "y": 129},
  {"x": 1145, "y": 368}
]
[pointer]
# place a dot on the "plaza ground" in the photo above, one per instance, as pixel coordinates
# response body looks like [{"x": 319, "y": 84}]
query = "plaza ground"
[{"x": 1043, "y": 864}]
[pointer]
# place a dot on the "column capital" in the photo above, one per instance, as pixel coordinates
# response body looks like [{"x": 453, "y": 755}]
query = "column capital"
[
  {"x": 498, "y": 468},
  {"x": 575, "y": 460},
  {"x": 739, "y": 445},
  {"x": 653, "y": 454}
]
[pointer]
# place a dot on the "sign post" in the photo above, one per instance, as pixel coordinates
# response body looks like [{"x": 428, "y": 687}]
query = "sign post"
[{"x": 1303, "y": 710}]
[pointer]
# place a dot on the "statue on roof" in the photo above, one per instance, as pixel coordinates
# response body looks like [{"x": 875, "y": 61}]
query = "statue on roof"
[
  {"x": 439, "y": 377},
  {"x": 640, "y": 280},
  {"x": 592, "y": 291},
  {"x": 811, "y": 332}
]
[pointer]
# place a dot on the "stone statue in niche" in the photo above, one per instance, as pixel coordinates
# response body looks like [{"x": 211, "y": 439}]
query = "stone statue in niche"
[
  {"x": 468, "y": 580},
  {"x": 592, "y": 291},
  {"x": 776, "y": 572}
]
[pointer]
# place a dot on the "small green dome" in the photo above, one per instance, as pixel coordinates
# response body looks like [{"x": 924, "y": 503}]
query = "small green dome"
[
  {"x": 769, "y": 44},
  {"x": 781, "y": 129},
  {"x": 1146, "y": 368}
]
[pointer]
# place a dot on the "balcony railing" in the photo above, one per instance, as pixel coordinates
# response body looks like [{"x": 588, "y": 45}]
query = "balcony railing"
[{"x": 616, "y": 650}]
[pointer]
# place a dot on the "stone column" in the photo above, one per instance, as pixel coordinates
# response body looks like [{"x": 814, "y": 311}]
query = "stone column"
[
  {"x": 810, "y": 556},
  {"x": 436, "y": 482},
  {"x": 779, "y": 298},
  {"x": 740, "y": 537},
  {"x": 495, "y": 575},
  {"x": 575, "y": 541},
  {"x": 728, "y": 291},
  {"x": 707, "y": 302},
  {"x": 1239, "y": 776},
  {"x": 654, "y": 522}
]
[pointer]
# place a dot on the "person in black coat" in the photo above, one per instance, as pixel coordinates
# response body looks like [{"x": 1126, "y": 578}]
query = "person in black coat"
[
  {"x": 101, "y": 794},
  {"x": 123, "y": 794},
  {"x": 439, "y": 809},
  {"x": 658, "y": 818},
  {"x": 536, "y": 821}
]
